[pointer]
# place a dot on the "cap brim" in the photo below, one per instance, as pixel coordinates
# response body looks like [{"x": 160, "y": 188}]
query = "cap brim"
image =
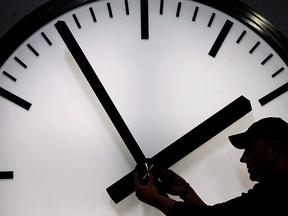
[{"x": 238, "y": 140}]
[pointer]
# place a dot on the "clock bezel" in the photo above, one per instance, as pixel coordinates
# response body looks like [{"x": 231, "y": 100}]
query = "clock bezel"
[
  {"x": 92, "y": 24},
  {"x": 53, "y": 9}
]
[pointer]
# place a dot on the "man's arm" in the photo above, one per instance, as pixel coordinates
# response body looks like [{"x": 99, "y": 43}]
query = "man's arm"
[
  {"x": 193, "y": 198},
  {"x": 177, "y": 186},
  {"x": 174, "y": 184}
]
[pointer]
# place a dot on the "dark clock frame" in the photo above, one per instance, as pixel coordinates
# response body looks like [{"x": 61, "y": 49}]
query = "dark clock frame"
[{"x": 54, "y": 8}]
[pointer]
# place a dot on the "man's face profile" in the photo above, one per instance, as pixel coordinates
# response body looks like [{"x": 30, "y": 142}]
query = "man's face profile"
[{"x": 257, "y": 156}]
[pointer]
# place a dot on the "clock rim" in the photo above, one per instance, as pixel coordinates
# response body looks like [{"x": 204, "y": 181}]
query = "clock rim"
[{"x": 53, "y": 9}]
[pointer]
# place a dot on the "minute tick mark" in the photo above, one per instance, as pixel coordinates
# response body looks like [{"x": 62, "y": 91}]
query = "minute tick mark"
[
  {"x": 109, "y": 10},
  {"x": 9, "y": 76},
  {"x": 278, "y": 72},
  {"x": 32, "y": 49},
  {"x": 195, "y": 13},
  {"x": 178, "y": 9},
  {"x": 211, "y": 20},
  {"x": 267, "y": 59},
  {"x": 46, "y": 38},
  {"x": 20, "y": 62},
  {"x": 241, "y": 37},
  {"x": 92, "y": 14},
  {"x": 127, "y": 7},
  {"x": 76, "y": 21},
  {"x": 254, "y": 47}
]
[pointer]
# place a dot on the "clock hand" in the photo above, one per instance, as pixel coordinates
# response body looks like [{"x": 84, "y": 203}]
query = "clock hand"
[
  {"x": 187, "y": 143},
  {"x": 204, "y": 132},
  {"x": 100, "y": 91},
  {"x": 102, "y": 95}
]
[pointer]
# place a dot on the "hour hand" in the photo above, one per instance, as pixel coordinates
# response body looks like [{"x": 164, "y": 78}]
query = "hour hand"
[{"x": 187, "y": 143}]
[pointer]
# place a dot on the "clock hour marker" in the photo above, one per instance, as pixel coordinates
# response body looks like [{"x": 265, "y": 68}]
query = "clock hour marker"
[
  {"x": 109, "y": 10},
  {"x": 267, "y": 59},
  {"x": 20, "y": 62},
  {"x": 195, "y": 13},
  {"x": 278, "y": 72},
  {"x": 254, "y": 47},
  {"x": 274, "y": 94},
  {"x": 241, "y": 37},
  {"x": 32, "y": 49},
  {"x": 144, "y": 20},
  {"x": 92, "y": 14},
  {"x": 220, "y": 39},
  {"x": 211, "y": 20},
  {"x": 9, "y": 76},
  {"x": 178, "y": 9},
  {"x": 46, "y": 38},
  {"x": 161, "y": 7},
  {"x": 127, "y": 7},
  {"x": 6, "y": 175},
  {"x": 15, "y": 99},
  {"x": 183, "y": 146},
  {"x": 76, "y": 21}
]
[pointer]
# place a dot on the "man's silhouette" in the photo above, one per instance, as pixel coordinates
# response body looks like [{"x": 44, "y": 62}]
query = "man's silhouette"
[{"x": 265, "y": 146}]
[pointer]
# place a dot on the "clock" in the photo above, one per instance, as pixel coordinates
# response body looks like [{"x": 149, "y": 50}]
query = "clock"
[{"x": 88, "y": 89}]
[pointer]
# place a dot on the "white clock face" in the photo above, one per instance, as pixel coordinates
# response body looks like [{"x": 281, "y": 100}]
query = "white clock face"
[{"x": 64, "y": 151}]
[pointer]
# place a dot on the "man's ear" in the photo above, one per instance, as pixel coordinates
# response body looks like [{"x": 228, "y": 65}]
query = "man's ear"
[{"x": 276, "y": 150}]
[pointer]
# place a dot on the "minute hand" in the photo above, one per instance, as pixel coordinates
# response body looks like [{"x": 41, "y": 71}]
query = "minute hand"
[{"x": 100, "y": 91}]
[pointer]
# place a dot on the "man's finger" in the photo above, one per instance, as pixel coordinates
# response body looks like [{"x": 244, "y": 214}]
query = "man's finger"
[
  {"x": 151, "y": 179},
  {"x": 136, "y": 179}
]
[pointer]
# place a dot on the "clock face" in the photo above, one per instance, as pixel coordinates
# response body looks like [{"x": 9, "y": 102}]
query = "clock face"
[{"x": 167, "y": 68}]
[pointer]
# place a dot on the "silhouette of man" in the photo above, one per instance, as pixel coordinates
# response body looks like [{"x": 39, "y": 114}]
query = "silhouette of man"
[{"x": 265, "y": 145}]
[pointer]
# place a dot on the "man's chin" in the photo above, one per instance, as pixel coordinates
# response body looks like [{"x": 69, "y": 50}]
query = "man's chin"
[{"x": 253, "y": 178}]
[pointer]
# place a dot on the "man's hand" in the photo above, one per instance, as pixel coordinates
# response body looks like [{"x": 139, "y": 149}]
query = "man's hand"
[
  {"x": 146, "y": 193},
  {"x": 149, "y": 194},
  {"x": 173, "y": 183}
]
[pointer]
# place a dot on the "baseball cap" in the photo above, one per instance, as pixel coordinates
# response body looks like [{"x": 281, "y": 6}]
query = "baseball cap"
[{"x": 270, "y": 129}]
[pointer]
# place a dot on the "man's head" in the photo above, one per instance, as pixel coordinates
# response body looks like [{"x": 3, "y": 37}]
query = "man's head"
[{"x": 266, "y": 147}]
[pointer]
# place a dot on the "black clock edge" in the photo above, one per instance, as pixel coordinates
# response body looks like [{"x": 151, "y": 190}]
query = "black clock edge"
[
  {"x": 42, "y": 15},
  {"x": 249, "y": 17},
  {"x": 54, "y": 8}
]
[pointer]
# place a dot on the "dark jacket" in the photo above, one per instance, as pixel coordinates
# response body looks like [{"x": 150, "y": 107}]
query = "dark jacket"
[{"x": 265, "y": 198}]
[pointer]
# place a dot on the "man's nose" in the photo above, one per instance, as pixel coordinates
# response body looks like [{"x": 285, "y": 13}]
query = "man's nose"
[{"x": 244, "y": 158}]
